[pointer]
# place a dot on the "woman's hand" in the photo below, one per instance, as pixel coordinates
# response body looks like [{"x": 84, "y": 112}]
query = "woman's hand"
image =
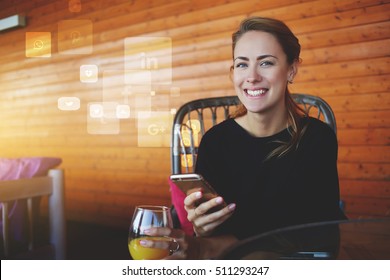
[
  {"x": 183, "y": 246},
  {"x": 204, "y": 224}
]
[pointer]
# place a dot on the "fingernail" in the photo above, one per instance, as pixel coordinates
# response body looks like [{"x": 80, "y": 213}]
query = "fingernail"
[
  {"x": 219, "y": 200},
  {"x": 143, "y": 242},
  {"x": 198, "y": 194},
  {"x": 232, "y": 206}
]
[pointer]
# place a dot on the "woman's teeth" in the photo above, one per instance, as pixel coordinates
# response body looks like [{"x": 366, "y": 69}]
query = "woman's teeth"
[{"x": 256, "y": 92}]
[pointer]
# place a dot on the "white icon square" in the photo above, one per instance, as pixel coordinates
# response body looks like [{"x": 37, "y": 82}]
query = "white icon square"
[
  {"x": 154, "y": 128},
  {"x": 101, "y": 118},
  {"x": 89, "y": 73},
  {"x": 68, "y": 103},
  {"x": 123, "y": 111},
  {"x": 96, "y": 111}
]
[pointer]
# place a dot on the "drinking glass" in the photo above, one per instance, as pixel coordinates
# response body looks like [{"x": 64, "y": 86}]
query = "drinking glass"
[{"x": 145, "y": 217}]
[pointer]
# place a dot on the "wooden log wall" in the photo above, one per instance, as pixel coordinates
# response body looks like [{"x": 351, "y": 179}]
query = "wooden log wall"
[{"x": 345, "y": 60}]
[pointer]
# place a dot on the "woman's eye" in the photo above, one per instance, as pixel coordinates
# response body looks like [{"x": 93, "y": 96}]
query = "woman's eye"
[
  {"x": 240, "y": 65},
  {"x": 266, "y": 63}
]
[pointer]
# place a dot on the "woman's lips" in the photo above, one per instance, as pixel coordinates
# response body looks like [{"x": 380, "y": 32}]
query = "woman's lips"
[{"x": 255, "y": 92}]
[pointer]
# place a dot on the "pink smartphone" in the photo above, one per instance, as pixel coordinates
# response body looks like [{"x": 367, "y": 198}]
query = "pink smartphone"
[{"x": 192, "y": 182}]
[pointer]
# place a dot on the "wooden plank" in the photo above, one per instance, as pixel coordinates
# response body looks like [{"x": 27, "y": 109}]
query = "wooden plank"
[
  {"x": 363, "y": 154},
  {"x": 367, "y": 206},
  {"x": 8, "y": 8},
  {"x": 348, "y": 69},
  {"x": 364, "y": 15},
  {"x": 365, "y": 188},
  {"x": 343, "y": 86},
  {"x": 348, "y": 35},
  {"x": 362, "y": 102},
  {"x": 363, "y": 119},
  {"x": 348, "y": 52},
  {"x": 364, "y": 137},
  {"x": 364, "y": 171}
]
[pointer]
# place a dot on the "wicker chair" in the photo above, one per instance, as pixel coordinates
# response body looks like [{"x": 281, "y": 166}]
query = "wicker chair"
[{"x": 194, "y": 118}]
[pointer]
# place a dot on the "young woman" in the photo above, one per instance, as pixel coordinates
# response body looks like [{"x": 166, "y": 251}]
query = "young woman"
[{"x": 273, "y": 165}]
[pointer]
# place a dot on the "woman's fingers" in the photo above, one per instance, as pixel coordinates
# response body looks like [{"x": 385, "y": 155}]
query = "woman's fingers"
[
  {"x": 165, "y": 231},
  {"x": 206, "y": 217},
  {"x": 176, "y": 241},
  {"x": 205, "y": 225},
  {"x": 190, "y": 200},
  {"x": 208, "y": 203}
]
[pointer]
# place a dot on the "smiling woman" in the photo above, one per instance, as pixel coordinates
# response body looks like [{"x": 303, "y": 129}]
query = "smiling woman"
[{"x": 270, "y": 161}]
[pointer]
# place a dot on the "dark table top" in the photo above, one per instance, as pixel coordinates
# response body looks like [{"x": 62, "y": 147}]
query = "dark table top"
[{"x": 367, "y": 239}]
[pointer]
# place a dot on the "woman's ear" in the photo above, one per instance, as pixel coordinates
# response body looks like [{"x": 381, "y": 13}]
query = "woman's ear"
[
  {"x": 231, "y": 73},
  {"x": 293, "y": 71}
]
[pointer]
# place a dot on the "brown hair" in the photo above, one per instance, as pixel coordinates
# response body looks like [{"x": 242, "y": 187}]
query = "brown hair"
[{"x": 291, "y": 47}]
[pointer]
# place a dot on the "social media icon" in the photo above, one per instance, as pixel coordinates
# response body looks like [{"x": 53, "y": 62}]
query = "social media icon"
[
  {"x": 153, "y": 54},
  {"x": 123, "y": 111},
  {"x": 96, "y": 111},
  {"x": 75, "y": 37},
  {"x": 101, "y": 118},
  {"x": 38, "y": 44},
  {"x": 154, "y": 128},
  {"x": 68, "y": 103},
  {"x": 157, "y": 128},
  {"x": 89, "y": 73},
  {"x": 74, "y": 6}
]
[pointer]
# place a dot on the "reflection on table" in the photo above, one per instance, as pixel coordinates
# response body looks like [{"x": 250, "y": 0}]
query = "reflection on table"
[{"x": 350, "y": 239}]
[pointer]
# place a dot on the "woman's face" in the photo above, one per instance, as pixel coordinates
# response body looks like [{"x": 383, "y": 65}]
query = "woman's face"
[{"x": 261, "y": 72}]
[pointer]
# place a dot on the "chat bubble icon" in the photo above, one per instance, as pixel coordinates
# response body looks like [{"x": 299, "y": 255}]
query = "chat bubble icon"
[
  {"x": 68, "y": 103},
  {"x": 38, "y": 44}
]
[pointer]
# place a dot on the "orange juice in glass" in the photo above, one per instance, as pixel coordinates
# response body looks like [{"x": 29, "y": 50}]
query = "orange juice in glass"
[{"x": 145, "y": 217}]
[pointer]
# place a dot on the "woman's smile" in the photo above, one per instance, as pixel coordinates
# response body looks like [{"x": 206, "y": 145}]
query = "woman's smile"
[{"x": 255, "y": 92}]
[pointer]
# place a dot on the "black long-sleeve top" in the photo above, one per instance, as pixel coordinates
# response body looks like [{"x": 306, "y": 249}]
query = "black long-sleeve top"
[{"x": 300, "y": 187}]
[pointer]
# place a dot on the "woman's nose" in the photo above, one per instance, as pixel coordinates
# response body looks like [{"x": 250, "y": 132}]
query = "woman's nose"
[{"x": 253, "y": 75}]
